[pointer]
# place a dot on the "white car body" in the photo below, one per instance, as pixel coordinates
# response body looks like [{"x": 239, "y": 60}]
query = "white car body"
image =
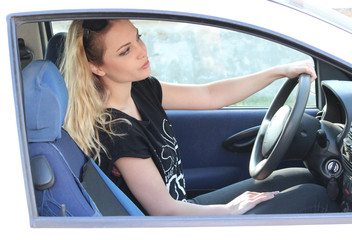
[{"x": 290, "y": 24}]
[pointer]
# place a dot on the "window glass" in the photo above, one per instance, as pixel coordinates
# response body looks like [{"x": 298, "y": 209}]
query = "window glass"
[
  {"x": 60, "y": 26},
  {"x": 196, "y": 54}
]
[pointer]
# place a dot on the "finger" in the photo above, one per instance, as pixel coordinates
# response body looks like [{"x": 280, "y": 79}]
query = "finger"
[
  {"x": 311, "y": 71},
  {"x": 249, "y": 194},
  {"x": 254, "y": 199},
  {"x": 262, "y": 197},
  {"x": 312, "y": 74}
]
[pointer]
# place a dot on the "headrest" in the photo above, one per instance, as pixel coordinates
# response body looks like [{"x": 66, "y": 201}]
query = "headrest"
[
  {"x": 45, "y": 101},
  {"x": 55, "y": 48}
]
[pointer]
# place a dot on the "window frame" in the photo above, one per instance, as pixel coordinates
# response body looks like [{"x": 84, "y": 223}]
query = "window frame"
[{"x": 15, "y": 20}]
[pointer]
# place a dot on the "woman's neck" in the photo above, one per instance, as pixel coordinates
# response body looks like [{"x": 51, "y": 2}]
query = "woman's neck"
[
  {"x": 119, "y": 95},
  {"x": 120, "y": 98}
]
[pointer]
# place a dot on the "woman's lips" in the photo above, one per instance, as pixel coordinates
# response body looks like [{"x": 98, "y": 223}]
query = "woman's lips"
[{"x": 145, "y": 65}]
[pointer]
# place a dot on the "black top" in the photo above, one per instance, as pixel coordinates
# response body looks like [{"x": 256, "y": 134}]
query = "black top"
[{"x": 153, "y": 137}]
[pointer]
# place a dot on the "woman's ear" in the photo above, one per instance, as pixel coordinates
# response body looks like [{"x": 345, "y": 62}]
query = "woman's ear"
[{"x": 96, "y": 70}]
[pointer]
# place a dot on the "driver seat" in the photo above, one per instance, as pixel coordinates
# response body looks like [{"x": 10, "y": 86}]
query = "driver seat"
[{"x": 56, "y": 160}]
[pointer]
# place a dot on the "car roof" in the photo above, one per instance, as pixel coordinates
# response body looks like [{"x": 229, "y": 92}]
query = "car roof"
[{"x": 309, "y": 27}]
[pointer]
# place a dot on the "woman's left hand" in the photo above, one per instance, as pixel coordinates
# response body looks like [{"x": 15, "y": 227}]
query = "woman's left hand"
[{"x": 292, "y": 70}]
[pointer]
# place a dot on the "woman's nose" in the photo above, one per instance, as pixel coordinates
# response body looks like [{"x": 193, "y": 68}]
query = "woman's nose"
[{"x": 142, "y": 50}]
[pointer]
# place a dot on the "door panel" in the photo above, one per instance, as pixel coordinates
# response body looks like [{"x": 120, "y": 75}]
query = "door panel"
[{"x": 200, "y": 134}]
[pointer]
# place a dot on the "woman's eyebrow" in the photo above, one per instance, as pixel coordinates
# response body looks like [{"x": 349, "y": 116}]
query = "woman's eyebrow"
[
  {"x": 123, "y": 46},
  {"x": 128, "y": 42}
]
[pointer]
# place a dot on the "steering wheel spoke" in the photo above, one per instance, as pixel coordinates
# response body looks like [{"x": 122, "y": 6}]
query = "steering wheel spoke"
[{"x": 278, "y": 128}]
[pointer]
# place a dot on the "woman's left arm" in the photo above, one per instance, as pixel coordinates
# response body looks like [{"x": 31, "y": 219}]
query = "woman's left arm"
[{"x": 226, "y": 92}]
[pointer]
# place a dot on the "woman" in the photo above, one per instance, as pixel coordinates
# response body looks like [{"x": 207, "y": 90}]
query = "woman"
[{"x": 116, "y": 115}]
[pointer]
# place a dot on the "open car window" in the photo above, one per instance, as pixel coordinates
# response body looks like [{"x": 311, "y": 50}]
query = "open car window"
[{"x": 195, "y": 54}]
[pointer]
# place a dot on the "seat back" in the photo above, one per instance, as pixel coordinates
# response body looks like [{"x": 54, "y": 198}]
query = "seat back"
[
  {"x": 55, "y": 48},
  {"x": 52, "y": 151},
  {"x": 56, "y": 160}
]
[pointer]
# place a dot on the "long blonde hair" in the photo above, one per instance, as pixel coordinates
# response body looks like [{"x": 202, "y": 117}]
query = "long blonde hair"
[{"x": 87, "y": 96}]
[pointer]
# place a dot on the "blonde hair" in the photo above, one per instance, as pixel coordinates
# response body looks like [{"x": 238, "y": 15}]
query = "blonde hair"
[{"x": 87, "y": 96}]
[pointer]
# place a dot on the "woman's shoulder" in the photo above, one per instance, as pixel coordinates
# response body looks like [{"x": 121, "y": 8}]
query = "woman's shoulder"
[
  {"x": 148, "y": 86},
  {"x": 150, "y": 81}
]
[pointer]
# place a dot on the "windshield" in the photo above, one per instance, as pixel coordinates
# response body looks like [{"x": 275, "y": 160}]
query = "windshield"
[{"x": 318, "y": 10}]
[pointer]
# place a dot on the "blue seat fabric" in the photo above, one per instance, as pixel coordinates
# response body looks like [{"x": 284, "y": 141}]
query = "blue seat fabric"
[
  {"x": 66, "y": 189},
  {"x": 45, "y": 101}
]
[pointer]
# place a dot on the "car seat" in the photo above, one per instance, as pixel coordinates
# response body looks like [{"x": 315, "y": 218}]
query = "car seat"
[
  {"x": 56, "y": 160},
  {"x": 55, "y": 48}
]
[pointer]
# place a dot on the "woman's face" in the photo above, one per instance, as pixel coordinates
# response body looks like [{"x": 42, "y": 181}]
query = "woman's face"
[{"x": 125, "y": 58}]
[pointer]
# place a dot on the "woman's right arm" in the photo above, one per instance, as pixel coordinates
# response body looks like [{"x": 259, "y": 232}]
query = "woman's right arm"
[{"x": 146, "y": 184}]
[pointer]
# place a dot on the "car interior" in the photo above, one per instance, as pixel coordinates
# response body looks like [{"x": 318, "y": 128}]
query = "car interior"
[{"x": 221, "y": 140}]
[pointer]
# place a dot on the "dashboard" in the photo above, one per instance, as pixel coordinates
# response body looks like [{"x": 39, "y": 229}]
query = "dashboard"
[
  {"x": 338, "y": 110},
  {"x": 347, "y": 175}
]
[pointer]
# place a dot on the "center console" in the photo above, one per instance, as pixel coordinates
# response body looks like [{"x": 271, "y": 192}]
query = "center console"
[{"x": 347, "y": 175}]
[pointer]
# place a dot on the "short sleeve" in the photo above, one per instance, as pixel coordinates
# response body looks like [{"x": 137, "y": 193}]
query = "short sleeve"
[
  {"x": 155, "y": 85},
  {"x": 152, "y": 85},
  {"x": 130, "y": 143}
]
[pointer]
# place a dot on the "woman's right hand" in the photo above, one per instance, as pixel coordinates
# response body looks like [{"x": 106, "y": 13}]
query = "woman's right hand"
[
  {"x": 148, "y": 187},
  {"x": 248, "y": 200}
]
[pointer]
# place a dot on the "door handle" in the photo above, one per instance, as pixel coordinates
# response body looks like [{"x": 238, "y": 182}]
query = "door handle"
[{"x": 242, "y": 141}]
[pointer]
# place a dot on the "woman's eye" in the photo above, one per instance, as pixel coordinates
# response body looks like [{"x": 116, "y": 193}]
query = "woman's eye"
[
  {"x": 125, "y": 52},
  {"x": 139, "y": 36}
]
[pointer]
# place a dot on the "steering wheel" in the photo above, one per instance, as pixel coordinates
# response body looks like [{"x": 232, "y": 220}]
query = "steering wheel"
[{"x": 278, "y": 128}]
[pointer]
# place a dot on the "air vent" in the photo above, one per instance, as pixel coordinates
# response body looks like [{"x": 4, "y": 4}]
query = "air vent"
[
  {"x": 349, "y": 143},
  {"x": 347, "y": 153},
  {"x": 348, "y": 166}
]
